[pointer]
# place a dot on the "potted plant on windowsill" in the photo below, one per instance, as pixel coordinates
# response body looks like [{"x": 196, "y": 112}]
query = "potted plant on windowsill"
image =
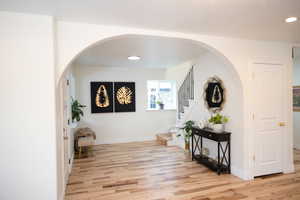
[
  {"x": 161, "y": 105},
  {"x": 77, "y": 111},
  {"x": 187, "y": 133},
  {"x": 218, "y": 122}
]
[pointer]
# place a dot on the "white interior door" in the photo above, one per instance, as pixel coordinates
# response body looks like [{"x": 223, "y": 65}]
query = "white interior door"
[{"x": 268, "y": 118}]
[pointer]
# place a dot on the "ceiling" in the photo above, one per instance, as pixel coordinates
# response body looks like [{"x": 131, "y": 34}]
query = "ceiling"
[
  {"x": 250, "y": 19},
  {"x": 155, "y": 52}
]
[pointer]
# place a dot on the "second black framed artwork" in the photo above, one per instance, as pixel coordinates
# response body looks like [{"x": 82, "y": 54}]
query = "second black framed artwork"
[
  {"x": 109, "y": 97},
  {"x": 124, "y": 95}
]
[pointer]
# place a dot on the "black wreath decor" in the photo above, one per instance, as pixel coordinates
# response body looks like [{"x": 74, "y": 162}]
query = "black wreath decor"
[{"x": 214, "y": 94}]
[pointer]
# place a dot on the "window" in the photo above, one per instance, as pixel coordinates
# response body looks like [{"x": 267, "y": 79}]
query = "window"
[{"x": 161, "y": 91}]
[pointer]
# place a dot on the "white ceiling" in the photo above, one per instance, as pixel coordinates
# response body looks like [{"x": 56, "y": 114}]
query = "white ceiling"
[
  {"x": 252, "y": 19},
  {"x": 155, "y": 52}
]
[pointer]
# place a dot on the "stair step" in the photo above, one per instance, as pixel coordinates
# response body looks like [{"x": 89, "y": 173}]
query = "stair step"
[
  {"x": 163, "y": 138},
  {"x": 181, "y": 115},
  {"x": 186, "y": 109},
  {"x": 191, "y": 102}
]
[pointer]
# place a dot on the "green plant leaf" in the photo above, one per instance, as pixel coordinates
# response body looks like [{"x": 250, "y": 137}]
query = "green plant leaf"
[
  {"x": 218, "y": 119},
  {"x": 188, "y": 125},
  {"x": 77, "y": 110}
]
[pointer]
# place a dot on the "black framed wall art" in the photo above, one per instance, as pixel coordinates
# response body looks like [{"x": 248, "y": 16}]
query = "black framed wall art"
[
  {"x": 102, "y": 97},
  {"x": 214, "y": 94},
  {"x": 124, "y": 96}
]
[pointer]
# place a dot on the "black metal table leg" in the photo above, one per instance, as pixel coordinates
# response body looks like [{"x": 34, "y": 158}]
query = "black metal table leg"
[
  {"x": 201, "y": 145},
  {"x": 224, "y": 152},
  {"x": 218, "y": 167},
  {"x": 229, "y": 156},
  {"x": 193, "y": 147}
]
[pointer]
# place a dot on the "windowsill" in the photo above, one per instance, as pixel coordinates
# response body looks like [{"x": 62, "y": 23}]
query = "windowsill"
[{"x": 160, "y": 110}]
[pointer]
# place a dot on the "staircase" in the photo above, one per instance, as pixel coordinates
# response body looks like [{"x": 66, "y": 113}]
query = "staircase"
[
  {"x": 185, "y": 98},
  {"x": 185, "y": 106}
]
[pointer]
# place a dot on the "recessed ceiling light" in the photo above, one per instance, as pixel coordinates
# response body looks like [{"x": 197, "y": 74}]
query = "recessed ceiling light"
[
  {"x": 291, "y": 19},
  {"x": 134, "y": 58}
]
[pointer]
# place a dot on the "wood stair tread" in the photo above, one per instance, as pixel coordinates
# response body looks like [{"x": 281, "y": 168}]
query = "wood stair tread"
[{"x": 163, "y": 138}]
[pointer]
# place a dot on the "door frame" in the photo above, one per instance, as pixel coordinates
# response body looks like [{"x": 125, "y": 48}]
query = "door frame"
[
  {"x": 297, "y": 45},
  {"x": 62, "y": 88},
  {"x": 287, "y": 144}
]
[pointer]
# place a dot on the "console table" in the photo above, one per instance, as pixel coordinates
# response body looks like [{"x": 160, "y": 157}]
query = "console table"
[{"x": 222, "y": 164}]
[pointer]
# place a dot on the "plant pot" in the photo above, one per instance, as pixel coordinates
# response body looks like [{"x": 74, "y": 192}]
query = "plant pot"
[
  {"x": 210, "y": 125},
  {"x": 218, "y": 128},
  {"x": 187, "y": 146},
  {"x": 203, "y": 124},
  {"x": 74, "y": 124},
  {"x": 161, "y": 106}
]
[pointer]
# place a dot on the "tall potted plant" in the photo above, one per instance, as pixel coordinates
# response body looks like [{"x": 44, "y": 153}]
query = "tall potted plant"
[
  {"x": 77, "y": 111},
  {"x": 187, "y": 133}
]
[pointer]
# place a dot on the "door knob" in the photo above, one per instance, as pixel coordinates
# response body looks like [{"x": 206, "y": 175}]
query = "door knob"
[{"x": 281, "y": 124}]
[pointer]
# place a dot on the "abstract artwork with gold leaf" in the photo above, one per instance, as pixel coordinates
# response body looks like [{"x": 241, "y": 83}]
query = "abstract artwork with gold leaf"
[
  {"x": 102, "y": 97},
  {"x": 124, "y": 96}
]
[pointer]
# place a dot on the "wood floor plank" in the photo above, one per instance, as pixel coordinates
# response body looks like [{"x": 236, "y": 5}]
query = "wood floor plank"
[{"x": 150, "y": 171}]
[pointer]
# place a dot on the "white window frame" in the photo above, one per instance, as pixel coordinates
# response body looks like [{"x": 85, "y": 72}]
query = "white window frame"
[{"x": 157, "y": 93}]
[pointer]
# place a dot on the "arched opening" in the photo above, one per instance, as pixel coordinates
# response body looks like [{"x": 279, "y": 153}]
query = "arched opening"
[{"x": 178, "y": 56}]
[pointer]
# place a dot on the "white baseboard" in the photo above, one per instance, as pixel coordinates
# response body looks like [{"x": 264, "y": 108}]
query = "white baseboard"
[
  {"x": 242, "y": 174},
  {"x": 126, "y": 140},
  {"x": 289, "y": 169}
]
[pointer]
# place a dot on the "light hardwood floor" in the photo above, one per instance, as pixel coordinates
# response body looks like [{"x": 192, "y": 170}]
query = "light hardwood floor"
[{"x": 149, "y": 171}]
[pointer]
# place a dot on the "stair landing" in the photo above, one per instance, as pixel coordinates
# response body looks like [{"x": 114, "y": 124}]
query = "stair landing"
[{"x": 164, "y": 138}]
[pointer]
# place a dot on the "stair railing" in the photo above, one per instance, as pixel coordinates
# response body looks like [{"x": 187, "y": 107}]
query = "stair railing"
[{"x": 186, "y": 92}]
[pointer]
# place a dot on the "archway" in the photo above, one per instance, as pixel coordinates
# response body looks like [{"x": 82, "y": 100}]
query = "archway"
[
  {"x": 235, "y": 87},
  {"x": 91, "y": 44}
]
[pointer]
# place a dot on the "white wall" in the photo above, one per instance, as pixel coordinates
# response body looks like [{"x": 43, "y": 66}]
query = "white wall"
[
  {"x": 207, "y": 66},
  {"x": 28, "y": 163},
  {"x": 123, "y": 127},
  {"x": 59, "y": 142},
  {"x": 179, "y": 72},
  {"x": 27, "y": 104},
  {"x": 73, "y": 38},
  {"x": 296, "y": 114}
]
